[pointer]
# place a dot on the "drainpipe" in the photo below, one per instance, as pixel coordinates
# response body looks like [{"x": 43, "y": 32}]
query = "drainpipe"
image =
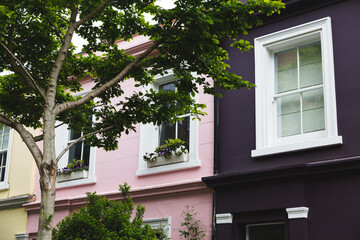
[{"x": 216, "y": 151}]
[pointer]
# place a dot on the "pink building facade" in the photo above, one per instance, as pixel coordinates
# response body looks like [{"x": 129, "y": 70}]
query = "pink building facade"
[{"x": 164, "y": 190}]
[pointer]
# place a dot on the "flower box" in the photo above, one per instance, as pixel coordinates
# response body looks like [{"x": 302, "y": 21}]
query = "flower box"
[
  {"x": 160, "y": 161},
  {"x": 72, "y": 176}
]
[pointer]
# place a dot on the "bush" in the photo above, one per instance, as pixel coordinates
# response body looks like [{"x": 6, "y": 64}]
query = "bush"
[{"x": 106, "y": 220}]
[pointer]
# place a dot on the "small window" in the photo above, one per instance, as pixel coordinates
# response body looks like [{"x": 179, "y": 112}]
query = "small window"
[
  {"x": 162, "y": 227},
  {"x": 80, "y": 151},
  {"x": 179, "y": 129},
  {"x": 4, "y": 148},
  {"x": 299, "y": 95},
  {"x": 295, "y": 94},
  {"x": 152, "y": 136},
  {"x": 265, "y": 231}
]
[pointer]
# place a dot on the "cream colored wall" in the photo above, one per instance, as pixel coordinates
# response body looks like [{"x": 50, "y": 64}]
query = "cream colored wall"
[
  {"x": 12, "y": 221},
  {"x": 22, "y": 170}
]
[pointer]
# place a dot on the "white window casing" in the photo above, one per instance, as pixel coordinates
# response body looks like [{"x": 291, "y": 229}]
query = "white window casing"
[
  {"x": 267, "y": 141},
  {"x": 164, "y": 223},
  {"x": 62, "y": 139},
  {"x": 5, "y": 183},
  {"x": 149, "y": 139}
]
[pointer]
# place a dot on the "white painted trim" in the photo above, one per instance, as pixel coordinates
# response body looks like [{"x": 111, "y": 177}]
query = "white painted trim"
[
  {"x": 22, "y": 236},
  {"x": 224, "y": 218},
  {"x": 297, "y": 212},
  {"x": 267, "y": 143},
  {"x": 160, "y": 222},
  {"x": 168, "y": 168},
  {"x": 315, "y": 143},
  {"x": 77, "y": 182},
  {"x": 149, "y": 136},
  {"x": 5, "y": 184}
]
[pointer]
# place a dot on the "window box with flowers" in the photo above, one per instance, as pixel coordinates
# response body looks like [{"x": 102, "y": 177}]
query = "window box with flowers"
[
  {"x": 75, "y": 170},
  {"x": 173, "y": 151}
]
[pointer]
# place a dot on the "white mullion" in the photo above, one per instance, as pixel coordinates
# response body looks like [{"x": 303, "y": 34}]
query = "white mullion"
[
  {"x": 307, "y": 89},
  {"x": 2, "y": 137},
  {"x": 176, "y": 129},
  {"x": 301, "y": 96}
]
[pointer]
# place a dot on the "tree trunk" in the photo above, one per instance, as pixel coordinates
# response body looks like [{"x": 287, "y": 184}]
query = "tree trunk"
[
  {"x": 47, "y": 184},
  {"x": 48, "y": 172}
]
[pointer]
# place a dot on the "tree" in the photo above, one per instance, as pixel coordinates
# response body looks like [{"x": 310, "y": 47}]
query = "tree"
[
  {"x": 35, "y": 44},
  {"x": 104, "y": 219}
]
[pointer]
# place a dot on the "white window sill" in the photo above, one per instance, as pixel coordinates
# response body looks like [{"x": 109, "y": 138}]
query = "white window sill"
[
  {"x": 315, "y": 143},
  {"x": 76, "y": 182},
  {"x": 168, "y": 168},
  {"x": 4, "y": 186}
]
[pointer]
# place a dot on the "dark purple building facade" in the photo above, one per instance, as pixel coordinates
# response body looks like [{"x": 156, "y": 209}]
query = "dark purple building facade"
[{"x": 287, "y": 163}]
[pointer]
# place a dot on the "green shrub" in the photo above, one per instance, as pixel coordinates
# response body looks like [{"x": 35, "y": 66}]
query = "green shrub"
[{"x": 106, "y": 220}]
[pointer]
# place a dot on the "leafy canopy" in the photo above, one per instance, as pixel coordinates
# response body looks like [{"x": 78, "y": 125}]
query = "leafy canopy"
[
  {"x": 187, "y": 38},
  {"x": 104, "y": 219}
]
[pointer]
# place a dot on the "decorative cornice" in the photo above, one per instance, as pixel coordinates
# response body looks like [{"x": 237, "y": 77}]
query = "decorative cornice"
[
  {"x": 15, "y": 202},
  {"x": 319, "y": 168},
  {"x": 22, "y": 236},
  {"x": 224, "y": 218},
  {"x": 136, "y": 193},
  {"x": 297, "y": 212}
]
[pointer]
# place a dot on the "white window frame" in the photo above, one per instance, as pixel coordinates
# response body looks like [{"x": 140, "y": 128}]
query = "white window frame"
[
  {"x": 260, "y": 224},
  {"x": 267, "y": 142},
  {"x": 62, "y": 136},
  {"x": 5, "y": 184},
  {"x": 160, "y": 222},
  {"x": 149, "y": 138}
]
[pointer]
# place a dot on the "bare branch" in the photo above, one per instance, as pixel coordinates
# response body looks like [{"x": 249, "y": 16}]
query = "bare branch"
[
  {"x": 54, "y": 27},
  {"x": 26, "y": 136},
  {"x": 22, "y": 71},
  {"x": 41, "y": 136},
  {"x": 51, "y": 92},
  {"x": 93, "y": 13},
  {"x": 81, "y": 138},
  {"x": 87, "y": 98}
]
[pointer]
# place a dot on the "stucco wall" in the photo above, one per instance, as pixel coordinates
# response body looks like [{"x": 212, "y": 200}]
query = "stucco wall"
[
  {"x": 12, "y": 221},
  {"x": 119, "y": 166}
]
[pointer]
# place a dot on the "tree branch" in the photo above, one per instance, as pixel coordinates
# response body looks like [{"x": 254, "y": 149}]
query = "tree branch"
[
  {"x": 81, "y": 138},
  {"x": 93, "y": 13},
  {"x": 54, "y": 27},
  {"x": 51, "y": 91},
  {"x": 26, "y": 136},
  {"x": 87, "y": 98},
  {"x": 41, "y": 136},
  {"x": 22, "y": 71}
]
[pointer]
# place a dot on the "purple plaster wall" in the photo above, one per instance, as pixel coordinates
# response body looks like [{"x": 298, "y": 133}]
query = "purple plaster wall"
[
  {"x": 260, "y": 189},
  {"x": 237, "y": 109}
]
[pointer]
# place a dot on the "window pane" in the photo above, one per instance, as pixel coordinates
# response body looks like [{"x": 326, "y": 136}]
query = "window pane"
[
  {"x": 7, "y": 130},
  {"x": 286, "y": 71},
  {"x": 168, "y": 87},
  {"x": 86, "y": 154},
  {"x": 288, "y": 115},
  {"x": 74, "y": 135},
  {"x": 75, "y": 152},
  {"x": 167, "y": 130},
  {"x": 5, "y": 142},
  {"x": 313, "y": 111},
  {"x": 184, "y": 131},
  {"x": 2, "y": 174},
  {"x": 2, "y": 166},
  {"x": 310, "y": 65},
  {"x": 266, "y": 232}
]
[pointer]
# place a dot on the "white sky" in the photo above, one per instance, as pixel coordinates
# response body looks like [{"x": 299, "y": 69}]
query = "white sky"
[
  {"x": 167, "y": 4},
  {"x": 78, "y": 41}
]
